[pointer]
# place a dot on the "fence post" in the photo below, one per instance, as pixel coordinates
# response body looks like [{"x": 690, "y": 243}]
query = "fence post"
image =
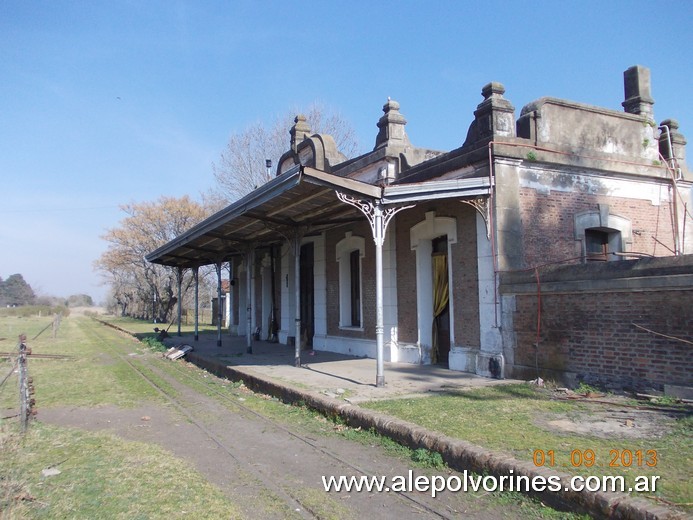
[
  {"x": 24, "y": 399},
  {"x": 56, "y": 323}
]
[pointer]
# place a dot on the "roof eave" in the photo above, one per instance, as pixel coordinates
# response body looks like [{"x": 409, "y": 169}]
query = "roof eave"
[
  {"x": 262, "y": 194},
  {"x": 445, "y": 189}
]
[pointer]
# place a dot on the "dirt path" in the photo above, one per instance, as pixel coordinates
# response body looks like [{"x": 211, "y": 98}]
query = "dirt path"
[{"x": 271, "y": 470}]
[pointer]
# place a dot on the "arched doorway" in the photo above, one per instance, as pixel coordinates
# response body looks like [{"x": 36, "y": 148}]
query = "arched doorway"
[{"x": 441, "y": 231}]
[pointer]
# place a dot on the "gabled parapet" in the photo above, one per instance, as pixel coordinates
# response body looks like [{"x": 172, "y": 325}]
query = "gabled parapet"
[{"x": 316, "y": 150}]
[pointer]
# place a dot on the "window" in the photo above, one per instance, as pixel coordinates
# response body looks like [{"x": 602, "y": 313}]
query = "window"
[
  {"x": 600, "y": 234},
  {"x": 350, "y": 251},
  {"x": 600, "y": 243},
  {"x": 355, "y": 283},
  {"x": 596, "y": 245}
]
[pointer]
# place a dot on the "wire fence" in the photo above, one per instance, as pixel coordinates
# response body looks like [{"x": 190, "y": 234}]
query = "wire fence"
[{"x": 19, "y": 366}]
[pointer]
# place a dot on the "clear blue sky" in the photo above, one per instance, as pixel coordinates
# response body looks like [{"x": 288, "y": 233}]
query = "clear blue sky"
[{"x": 108, "y": 102}]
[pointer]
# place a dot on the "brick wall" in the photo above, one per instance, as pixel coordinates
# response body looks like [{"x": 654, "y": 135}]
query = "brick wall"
[
  {"x": 589, "y": 323},
  {"x": 463, "y": 264},
  {"x": 549, "y": 228},
  {"x": 406, "y": 276},
  {"x": 361, "y": 229}
]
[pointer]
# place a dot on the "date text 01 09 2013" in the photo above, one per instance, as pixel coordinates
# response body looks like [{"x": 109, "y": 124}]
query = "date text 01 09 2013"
[{"x": 588, "y": 458}]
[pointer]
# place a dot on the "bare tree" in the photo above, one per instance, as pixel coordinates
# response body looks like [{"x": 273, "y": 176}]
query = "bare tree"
[
  {"x": 241, "y": 167},
  {"x": 138, "y": 287}
]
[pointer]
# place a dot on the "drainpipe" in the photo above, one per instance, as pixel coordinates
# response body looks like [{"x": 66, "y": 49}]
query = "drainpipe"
[
  {"x": 492, "y": 229},
  {"x": 671, "y": 166},
  {"x": 229, "y": 304}
]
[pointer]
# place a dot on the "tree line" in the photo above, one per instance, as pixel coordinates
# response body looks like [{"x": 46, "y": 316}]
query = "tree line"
[
  {"x": 148, "y": 291},
  {"x": 16, "y": 292}
]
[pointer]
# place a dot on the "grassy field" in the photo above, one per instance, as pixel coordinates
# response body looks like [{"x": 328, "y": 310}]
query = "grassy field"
[
  {"x": 102, "y": 476},
  {"x": 142, "y": 328},
  {"x": 513, "y": 419}
]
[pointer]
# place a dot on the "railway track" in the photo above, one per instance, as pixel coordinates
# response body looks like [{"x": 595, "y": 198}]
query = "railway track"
[
  {"x": 179, "y": 389},
  {"x": 37, "y": 356}
]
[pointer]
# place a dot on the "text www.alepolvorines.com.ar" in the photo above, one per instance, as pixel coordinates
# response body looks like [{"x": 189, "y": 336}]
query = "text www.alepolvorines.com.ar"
[{"x": 468, "y": 481}]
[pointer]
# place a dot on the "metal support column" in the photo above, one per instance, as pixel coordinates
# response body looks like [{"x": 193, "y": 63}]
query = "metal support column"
[
  {"x": 219, "y": 313},
  {"x": 196, "y": 277},
  {"x": 229, "y": 304},
  {"x": 379, "y": 218},
  {"x": 250, "y": 268},
  {"x": 180, "y": 298},
  {"x": 379, "y": 236},
  {"x": 297, "y": 291}
]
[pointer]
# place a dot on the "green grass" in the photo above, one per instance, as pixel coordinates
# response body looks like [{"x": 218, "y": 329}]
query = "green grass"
[
  {"x": 101, "y": 476},
  {"x": 142, "y": 328},
  {"x": 509, "y": 418},
  {"x": 93, "y": 376},
  {"x": 310, "y": 422},
  {"x": 505, "y": 418},
  {"x": 12, "y": 326}
]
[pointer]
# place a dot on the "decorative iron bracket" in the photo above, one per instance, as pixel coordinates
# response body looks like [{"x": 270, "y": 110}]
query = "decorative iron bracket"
[
  {"x": 482, "y": 206},
  {"x": 378, "y": 217}
]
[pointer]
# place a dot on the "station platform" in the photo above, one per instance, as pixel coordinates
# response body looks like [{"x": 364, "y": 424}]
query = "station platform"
[{"x": 334, "y": 375}]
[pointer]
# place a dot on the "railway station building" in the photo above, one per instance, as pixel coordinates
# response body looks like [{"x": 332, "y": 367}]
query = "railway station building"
[{"x": 553, "y": 241}]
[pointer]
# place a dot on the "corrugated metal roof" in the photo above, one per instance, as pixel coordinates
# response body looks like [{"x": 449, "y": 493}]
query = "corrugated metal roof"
[{"x": 302, "y": 197}]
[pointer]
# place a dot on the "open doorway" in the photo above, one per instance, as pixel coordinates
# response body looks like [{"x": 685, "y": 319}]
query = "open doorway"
[{"x": 441, "y": 301}]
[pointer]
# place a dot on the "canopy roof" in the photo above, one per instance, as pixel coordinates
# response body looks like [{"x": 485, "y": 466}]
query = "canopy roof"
[{"x": 301, "y": 198}]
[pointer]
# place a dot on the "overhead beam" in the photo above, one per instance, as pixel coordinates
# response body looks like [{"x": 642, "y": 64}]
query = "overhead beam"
[{"x": 298, "y": 202}]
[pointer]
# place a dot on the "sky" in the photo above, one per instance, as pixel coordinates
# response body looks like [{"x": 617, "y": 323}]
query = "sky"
[{"x": 104, "y": 103}]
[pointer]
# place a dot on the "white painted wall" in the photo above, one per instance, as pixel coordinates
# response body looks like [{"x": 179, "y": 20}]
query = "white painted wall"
[
  {"x": 320, "y": 288},
  {"x": 266, "y": 294},
  {"x": 287, "y": 288},
  {"x": 242, "y": 287}
]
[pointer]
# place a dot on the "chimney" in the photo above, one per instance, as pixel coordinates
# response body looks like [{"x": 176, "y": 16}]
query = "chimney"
[{"x": 636, "y": 86}]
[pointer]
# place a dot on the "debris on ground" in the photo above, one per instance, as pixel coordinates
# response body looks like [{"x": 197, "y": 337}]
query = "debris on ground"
[
  {"x": 177, "y": 352},
  {"x": 50, "y": 472}
]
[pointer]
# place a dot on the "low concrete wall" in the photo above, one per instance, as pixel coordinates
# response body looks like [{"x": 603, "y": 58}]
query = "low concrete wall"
[
  {"x": 458, "y": 454},
  {"x": 625, "y": 324}
]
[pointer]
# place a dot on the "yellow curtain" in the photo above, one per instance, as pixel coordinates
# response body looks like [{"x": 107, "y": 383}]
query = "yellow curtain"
[{"x": 440, "y": 297}]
